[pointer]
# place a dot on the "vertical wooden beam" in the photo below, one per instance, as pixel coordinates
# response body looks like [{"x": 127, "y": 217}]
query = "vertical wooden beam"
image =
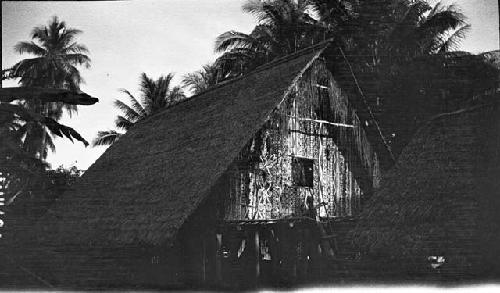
[
  {"x": 204, "y": 259},
  {"x": 218, "y": 259},
  {"x": 257, "y": 255},
  {"x": 320, "y": 170},
  {"x": 274, "y": 253},
  {"x": 294, "y": 255}
]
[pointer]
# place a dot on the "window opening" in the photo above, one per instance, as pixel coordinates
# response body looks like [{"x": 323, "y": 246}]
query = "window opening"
[{"x": 302, "y": 172}]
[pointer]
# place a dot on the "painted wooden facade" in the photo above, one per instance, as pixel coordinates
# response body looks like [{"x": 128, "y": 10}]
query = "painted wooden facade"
[{"x": 314, "y": 135}]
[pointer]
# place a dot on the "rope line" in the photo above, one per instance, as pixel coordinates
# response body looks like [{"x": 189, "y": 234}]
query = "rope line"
[{"x": 367, "y": 105}]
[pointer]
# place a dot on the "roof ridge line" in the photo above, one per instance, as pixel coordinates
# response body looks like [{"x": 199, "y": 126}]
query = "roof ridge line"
[
  {"x": 293, "y": 55},
  {"x": 260, "y": 68},
  {"x": 428, "y": 123},
  {"x": 267, "y": 65},
  {"x": 462, "y": 110}
]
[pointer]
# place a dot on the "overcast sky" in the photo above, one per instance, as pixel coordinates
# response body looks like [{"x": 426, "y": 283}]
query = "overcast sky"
[{"x": 126, "y": 38}]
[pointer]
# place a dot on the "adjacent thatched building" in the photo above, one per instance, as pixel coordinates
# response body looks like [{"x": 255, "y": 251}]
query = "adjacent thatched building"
[
  {"x": 226, "y": 186},
  {"x": 441, "y": 199}
]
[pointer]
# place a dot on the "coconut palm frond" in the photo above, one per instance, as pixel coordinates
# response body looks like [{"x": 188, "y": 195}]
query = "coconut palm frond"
[
  {"x": 107, "y": 137},
  {"x": 67, "y": 35},
  {"x": 75, "y": 48},
  {"x": 253, "y": 6},
  {"x": 176, "y": 95},
  {"x": 31, "y": 136},
  {"x": 63, "y": 130},
  {"x": 202, "y": 79},
  {"x": 129, "y": 113},
  {"x": 443, "y": 19},
  {"x": 414, "y": 12},
  {"x": 76, "y": 59},
  {"x": 239, "y": 54},
  {"x": 163, "y": 93},
  {"x": 241, "y": 60},
  {"x": 164, "y": 81},
  {"x": 453, "y": 41},
  {"x": 194, "y": 81},
  {"x": 267, "y": 12},
  {"x": 233, "y": 39},
  {"x": 433, "y": 30},
  {"x": 157, "y": 94},
  {"x": 135, "y": 105},
  {"x": 30, "y": 48},
  {"x": 29, "y": 70},
  {"x": 41, "y": 33},
  {"x": 35, "y": 124},
  {"x": 54, "y": 110},
  {"x": 147, "y": 88},
  {"x": 50, "y": 146},
  {"x": 123, "y": 123},
  {"x": 70, "y": 77}
]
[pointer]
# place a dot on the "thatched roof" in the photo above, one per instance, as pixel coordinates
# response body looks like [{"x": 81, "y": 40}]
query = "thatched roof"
[
  {"x": 143, "y": 188},
  {"x": 442, "y": 196}
]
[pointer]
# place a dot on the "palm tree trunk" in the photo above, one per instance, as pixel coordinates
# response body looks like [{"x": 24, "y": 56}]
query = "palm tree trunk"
[{"x": 45, "y": 112}]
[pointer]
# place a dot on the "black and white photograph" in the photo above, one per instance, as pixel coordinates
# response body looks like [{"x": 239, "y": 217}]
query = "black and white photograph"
[{"x": 250, "y": 145}]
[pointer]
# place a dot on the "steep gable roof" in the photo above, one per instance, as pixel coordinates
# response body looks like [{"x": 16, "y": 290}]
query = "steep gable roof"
[{"x": 143, "y": 188}]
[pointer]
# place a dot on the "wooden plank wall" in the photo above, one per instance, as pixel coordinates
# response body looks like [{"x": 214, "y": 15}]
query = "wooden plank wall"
[{"x": 261, "y": 184}]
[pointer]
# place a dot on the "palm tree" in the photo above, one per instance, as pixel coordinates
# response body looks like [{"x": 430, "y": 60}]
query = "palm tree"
[
  {"x": 419, "y": 29},
  {"x": 156, "y": 95},
  {"x": 199, "y": 81},
  {"x": 416, "y": 32},
  {"x": 20, "y": 170},
  {"x": 372, "y": 29},
  {"x": 57, "y": 56},
  {"x": 284, "y": 26},
  {"x": 379, "y": 38}
]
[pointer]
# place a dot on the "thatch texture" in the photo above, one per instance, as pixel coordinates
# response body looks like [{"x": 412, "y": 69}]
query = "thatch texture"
[
  {"x": 143, "y": 188},
  {"x": 441, "y": 198}
]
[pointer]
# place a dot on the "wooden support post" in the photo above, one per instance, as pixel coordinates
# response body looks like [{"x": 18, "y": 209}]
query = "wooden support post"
[
  {"x": 204, "y": 259},
  {"x": 320, "y": 172},
  {"x": 218, "y": 259},
  {"x": 257, "y": 255},
  {"x": 274, "y": 254},
  {"x": 294, "y": 255}
]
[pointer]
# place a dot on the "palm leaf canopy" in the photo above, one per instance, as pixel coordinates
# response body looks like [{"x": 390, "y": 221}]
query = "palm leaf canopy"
[
  {"x": 56, "y": 57},
  {"x": 156, "y": 95},
  {"x": 199, "y": 81},
  {"x": 106, "y": 137},
  {"x": 30, "y": 117},
  {"x": 284, "y": 26}
]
